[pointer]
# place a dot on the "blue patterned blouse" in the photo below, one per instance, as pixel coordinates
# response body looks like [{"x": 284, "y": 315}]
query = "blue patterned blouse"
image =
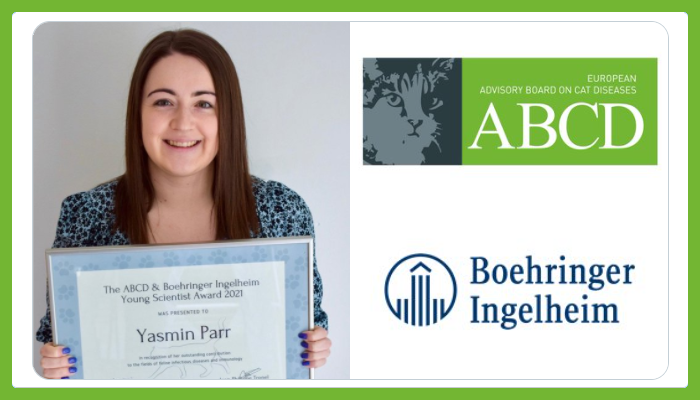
[{"x": 87, "y": 219}]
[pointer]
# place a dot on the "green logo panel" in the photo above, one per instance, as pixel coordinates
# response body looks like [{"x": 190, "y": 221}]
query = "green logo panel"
[{"x": 572, "y": 111}]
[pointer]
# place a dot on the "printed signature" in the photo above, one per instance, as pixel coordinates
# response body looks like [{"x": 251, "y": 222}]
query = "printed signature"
[{"x": 248, "y": 374}]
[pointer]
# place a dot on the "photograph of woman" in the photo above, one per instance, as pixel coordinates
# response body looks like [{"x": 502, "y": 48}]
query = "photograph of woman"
[{"x": 188, "y": 179}]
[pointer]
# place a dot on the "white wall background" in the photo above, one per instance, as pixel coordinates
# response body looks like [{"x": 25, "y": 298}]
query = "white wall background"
[{"x": 295, "y": 80}]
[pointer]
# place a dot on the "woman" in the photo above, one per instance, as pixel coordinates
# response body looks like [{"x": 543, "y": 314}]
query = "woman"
[{"x": 186, "y": 178}]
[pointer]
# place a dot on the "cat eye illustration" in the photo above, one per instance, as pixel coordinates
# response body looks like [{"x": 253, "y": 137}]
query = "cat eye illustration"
[
  {"x": 394, "y": 100},
  {"x": 434, "y": 104}
]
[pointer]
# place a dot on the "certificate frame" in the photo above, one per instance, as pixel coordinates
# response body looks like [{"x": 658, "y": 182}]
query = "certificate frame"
[{"x": 66, "y": 266}]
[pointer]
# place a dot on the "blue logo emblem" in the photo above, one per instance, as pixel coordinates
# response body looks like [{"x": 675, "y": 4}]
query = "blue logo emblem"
[{"x": 420, "y": 290}]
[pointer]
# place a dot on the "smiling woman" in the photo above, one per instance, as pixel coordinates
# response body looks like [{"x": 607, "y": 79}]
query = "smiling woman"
[
  {"x": 178, "y": 76},
  {"x": 179, "y": 117},
  {"x": 187, "y": 177},
  {"x": 180, "y": 135}
]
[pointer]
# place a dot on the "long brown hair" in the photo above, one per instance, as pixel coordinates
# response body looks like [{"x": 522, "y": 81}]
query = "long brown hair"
[{"x": 232, "y": 191}]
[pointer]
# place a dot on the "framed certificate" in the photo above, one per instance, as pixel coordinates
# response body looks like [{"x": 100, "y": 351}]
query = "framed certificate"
[{"x": 222, "y": 310}]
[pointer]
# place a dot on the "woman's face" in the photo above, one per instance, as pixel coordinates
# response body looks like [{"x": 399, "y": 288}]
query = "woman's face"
[{"x": 178, "y": 116}]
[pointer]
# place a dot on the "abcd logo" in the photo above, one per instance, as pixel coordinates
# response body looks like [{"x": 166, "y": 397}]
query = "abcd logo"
[
  {"x": 509, "y": 111},
  {"x": 420, "y": 290}
]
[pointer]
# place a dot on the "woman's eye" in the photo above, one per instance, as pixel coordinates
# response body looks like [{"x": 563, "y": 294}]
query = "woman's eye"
[
  {"x": 162, "y": 103},
  {"x": 205, "y": 104},
  {"x": 394, "y": 100}
]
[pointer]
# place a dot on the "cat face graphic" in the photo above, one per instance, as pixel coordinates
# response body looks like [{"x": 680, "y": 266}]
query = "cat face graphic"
[{"x": 398, "y": 120}]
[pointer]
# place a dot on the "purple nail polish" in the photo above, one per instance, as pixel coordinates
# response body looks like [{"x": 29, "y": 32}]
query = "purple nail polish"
[
  {"x": 72, "y": 360},
  {"x": 65, "y": 377},
  {"x": 304, "y": 355},
  {"x": 303, "y": 335},
  {"x": 72, "y": 370},
  {"x": 304, "y": 363},
  {"x": 66, "y": 350},
  {"x": 304, "y": 345}
]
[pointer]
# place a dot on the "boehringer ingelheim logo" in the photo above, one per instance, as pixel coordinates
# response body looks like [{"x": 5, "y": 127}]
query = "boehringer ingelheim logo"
[{"x": 420, "y": 290}]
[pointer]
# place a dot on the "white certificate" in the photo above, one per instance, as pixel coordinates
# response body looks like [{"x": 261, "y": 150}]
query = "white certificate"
[
  {"x": 229, "y": 310},
  {"x": 184, "y": 322}
]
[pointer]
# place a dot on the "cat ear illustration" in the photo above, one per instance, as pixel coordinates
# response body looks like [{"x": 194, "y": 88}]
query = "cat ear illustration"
[
  {"x": 405, "y": 83},
  {"x": 371, "y": 69}
]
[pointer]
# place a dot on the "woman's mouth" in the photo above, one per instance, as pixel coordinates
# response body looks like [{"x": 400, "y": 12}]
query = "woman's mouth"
[{"x": 182, "y": 144}]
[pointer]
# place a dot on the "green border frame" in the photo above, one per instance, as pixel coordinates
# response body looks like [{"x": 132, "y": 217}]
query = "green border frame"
[{"x": 357, "y": 5}]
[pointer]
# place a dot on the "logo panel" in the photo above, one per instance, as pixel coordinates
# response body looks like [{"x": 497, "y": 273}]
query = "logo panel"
[{"x": 510, "y": 111}]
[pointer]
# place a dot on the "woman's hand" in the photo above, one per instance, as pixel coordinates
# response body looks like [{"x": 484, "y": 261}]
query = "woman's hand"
[
  {"x": 57, "y": 362},
  {"x": 317, "y": 347}
]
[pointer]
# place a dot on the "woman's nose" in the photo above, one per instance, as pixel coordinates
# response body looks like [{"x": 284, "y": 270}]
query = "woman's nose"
[{"x": 182, "y": 120}]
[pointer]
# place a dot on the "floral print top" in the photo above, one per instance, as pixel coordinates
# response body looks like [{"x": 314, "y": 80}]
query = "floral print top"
[{"x": 87, "y": 219}]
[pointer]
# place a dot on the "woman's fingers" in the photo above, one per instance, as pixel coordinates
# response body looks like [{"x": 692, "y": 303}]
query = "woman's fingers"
[
  {"x": 309, "y": 356},
  {"x": 57, "y": 361},
  {"x": 317, "y": 346},
  {"x": 317, "y": 333},
  {"x": 58, "y": 373},
  {"x": 314, "y": 364},
  {"x": 60, "y": 362},
  {"x": 49, "y": 350},
  {"x": 315, "y": 340}
]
